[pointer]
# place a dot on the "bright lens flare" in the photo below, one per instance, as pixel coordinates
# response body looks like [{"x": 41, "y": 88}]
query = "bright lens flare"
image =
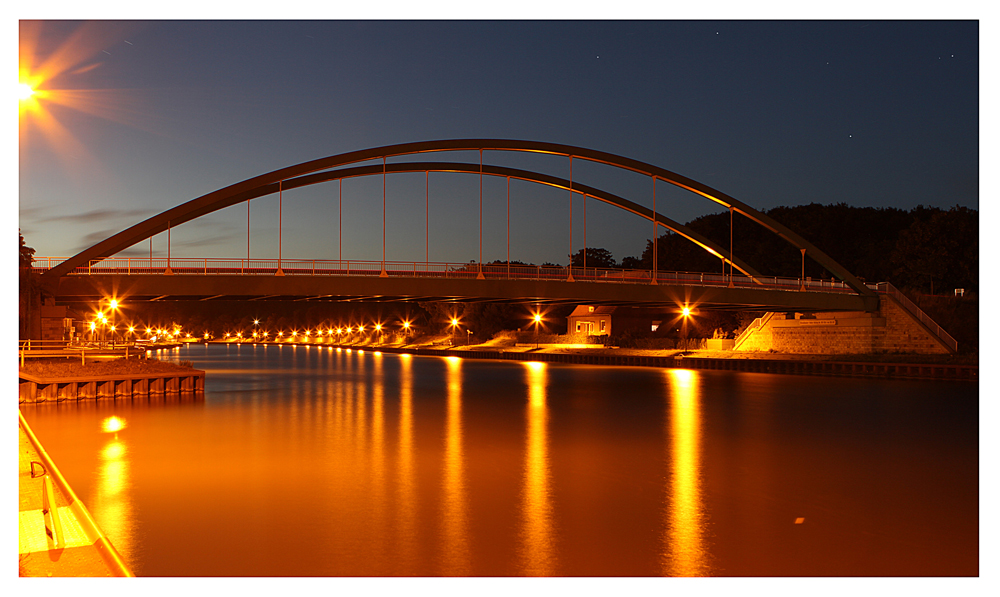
[
  {"x": 686, "y": 311},
  {"x": 24, "y": 91},
  {"x": 112, "y": 424}
]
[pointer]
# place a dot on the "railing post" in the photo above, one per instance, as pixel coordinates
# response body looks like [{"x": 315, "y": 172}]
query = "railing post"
[{"x": 50, "y": 511}]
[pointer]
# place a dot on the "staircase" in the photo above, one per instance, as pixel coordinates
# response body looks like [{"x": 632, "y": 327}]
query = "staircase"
[{"x": 755, "y": 325}]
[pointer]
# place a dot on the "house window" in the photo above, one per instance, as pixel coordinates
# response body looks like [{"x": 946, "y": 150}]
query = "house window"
[
  {"x": 655, "y": 325},
  {"x": 604, "y": 325},
  {"x": 578, "y": 326},
  {"x": 591, "y": 309}
]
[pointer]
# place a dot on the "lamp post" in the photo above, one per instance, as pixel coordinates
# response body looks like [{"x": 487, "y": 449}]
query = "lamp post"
[
  {"x": 112, "y": 307},
  {"x": 454, "y": 326},
  {"x": 538, "y": 319},
  {"x": 468, "y": 337},
  {"x": 685, "y": 317}
]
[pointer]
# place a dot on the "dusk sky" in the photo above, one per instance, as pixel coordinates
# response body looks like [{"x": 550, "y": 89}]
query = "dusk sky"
[{"x": 143, "y": 116}]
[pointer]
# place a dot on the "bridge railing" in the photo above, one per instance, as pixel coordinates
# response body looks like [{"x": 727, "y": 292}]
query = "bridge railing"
[{"x": 428, "y": 269}]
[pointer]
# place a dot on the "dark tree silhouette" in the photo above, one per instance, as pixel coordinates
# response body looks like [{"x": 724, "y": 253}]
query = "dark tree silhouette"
[{"x": 595, "y": 258}]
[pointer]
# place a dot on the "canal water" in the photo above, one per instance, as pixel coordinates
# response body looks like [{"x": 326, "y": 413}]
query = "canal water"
[{"x": 309, "y": 461}]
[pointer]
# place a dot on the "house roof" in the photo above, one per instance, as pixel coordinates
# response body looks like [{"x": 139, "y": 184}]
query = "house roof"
[
  {"x": 584, "y": 310},
  {"x": 642, "y": 312}
]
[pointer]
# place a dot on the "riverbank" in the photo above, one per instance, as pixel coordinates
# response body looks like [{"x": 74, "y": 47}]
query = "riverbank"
[
  {"x": 41, "y": 381},
  {"x": 899, "y": 366}
]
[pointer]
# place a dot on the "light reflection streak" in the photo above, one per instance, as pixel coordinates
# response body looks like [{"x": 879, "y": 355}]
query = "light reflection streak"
[
  {"x": 455, "y": 514},
  {"x": 537, "y": 549},
  {"x": 407, "y": 529},
  {"x": 111, "y": 504},
  {"x": 361, "y": 414},
  {"x": 378, "y": 457},
  {"x": 685, "y": 552}
]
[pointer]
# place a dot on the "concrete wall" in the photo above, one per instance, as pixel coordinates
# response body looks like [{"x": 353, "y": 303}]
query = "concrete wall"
[{"x": 892, "y": 329}]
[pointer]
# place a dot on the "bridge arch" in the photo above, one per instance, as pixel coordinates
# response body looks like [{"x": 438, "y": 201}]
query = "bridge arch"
[{"x": 332, "y": 168}]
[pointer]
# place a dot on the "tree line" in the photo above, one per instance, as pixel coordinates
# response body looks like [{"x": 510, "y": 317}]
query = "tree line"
[{"x": 925, "y": 250}]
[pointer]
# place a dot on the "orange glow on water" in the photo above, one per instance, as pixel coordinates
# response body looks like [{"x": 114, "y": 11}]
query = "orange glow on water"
[
  {"x": 408, "y": 534},
  {"x": 686, "y": 552},
  {"x": 112, "y": 424},
  {"x": 537, "y": 549},
  {"x": 111, "y": 502},
  {"x": 455, "y": 518}
]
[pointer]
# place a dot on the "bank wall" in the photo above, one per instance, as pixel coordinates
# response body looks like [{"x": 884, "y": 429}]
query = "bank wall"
[{"x": 891, "y": 329}]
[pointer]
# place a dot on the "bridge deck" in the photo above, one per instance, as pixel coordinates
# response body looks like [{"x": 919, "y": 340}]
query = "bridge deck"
[{"x": 708, "y": 293}]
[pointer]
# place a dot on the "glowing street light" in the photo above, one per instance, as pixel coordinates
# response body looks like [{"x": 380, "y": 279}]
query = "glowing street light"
[{"x": 537, "y": 318}]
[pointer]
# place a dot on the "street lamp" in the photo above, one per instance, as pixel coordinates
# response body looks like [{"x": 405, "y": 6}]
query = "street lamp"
[
  {"x": 686, "y": 315},
  {"x": 454, "y": 326},
  {"x": 468, "y": 338},
  {"x": 112, "y": 307},
  {"x": 538, "y": 319}
]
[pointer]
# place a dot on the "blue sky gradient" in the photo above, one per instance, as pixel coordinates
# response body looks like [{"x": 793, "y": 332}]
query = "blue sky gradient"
[{"x": 869, "y": 113}]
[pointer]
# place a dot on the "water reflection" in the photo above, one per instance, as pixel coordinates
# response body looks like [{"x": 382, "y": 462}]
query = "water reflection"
[
  {"x": 407, "y": 528},
  {"x": 455, "y": 515},
  {"x": 537, "y": 538},
  {"x": 378, "y": 492},
  {"x": 685, "y": 552},
  {"x": 112, "y": 503}
]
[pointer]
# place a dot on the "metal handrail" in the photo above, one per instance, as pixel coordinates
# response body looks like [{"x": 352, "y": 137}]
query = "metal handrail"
[
  {"x": 430, "y": 269},
  {"x": 944, "y": 336}
]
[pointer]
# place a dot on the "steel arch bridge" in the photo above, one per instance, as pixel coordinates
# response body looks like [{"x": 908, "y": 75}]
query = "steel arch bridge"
[{"x": 94, "y": 272}]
